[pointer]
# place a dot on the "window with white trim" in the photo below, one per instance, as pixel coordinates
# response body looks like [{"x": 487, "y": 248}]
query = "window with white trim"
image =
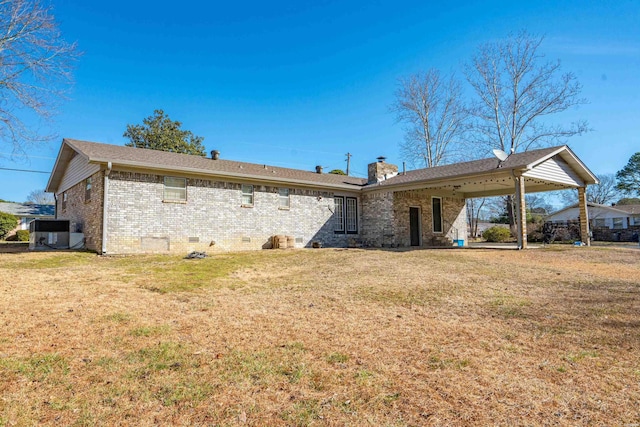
[
  {"x": 64, "y": 200},
  {"x": 351, "y": 216},
  {"x": 346, "y": 214},
  {"x": 618, "y": 222},
  {"x": 247, "y": 195},
  {"x": 599, "y": 222},
  {"x": 175, "y": 189},
  {"x": 283, "y": 198},
  {"x": 634, "y": 220}
]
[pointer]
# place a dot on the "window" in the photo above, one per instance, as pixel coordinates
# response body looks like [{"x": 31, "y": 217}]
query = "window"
[
  {"x": 64, "y": 200},
  {"x": 436, "y": 205},
  {"x": 352, "y": 215},
  {"x": 346, "y": 214},
  {"x": 339, "y": 214},
  {"x": 599, "y": 222},
  {"x": 87, "y": 189},
  {"x": 283, "y": 196},
  {"x": 247, "y": 195},
  {"x": 634, "y": 220},
  {"x": 618, "y": 222},
  {"x": 175, "y": 189}
]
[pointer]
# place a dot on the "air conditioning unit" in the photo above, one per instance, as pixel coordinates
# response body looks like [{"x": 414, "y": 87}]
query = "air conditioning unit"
[{"x": 48, "y": 234}]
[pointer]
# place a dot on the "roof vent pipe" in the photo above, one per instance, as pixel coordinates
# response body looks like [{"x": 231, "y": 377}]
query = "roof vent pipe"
[
  {"x": 215, "y": 154},
  {"x": 318, "y": 169},
  {"x": 404, "y": 168}
]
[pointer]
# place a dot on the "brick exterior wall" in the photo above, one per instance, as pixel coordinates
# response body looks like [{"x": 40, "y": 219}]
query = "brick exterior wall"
[
  {"x": 85, "y": 215},
  {"x": 213, "y": 218},
  {"x": 385, "y": 218},
  {"x": 378, "y": 227}
]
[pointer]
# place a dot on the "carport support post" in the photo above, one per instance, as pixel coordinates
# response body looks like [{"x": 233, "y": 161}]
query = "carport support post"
[
  {"x": 584, "y": 216},
  {"x": 521, "y": 212}
]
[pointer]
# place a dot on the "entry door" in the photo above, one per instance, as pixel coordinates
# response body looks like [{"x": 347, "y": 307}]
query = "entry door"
[{"x": 414, "y": 226}]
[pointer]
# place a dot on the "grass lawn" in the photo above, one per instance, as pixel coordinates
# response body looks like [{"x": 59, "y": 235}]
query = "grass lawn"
[{"x": 322, "y": 337}]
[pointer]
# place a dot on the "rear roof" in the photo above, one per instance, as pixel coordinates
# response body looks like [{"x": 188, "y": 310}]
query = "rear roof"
[
  {"x": 156, "y": 159},
  {"x": 176, "y": 163}
]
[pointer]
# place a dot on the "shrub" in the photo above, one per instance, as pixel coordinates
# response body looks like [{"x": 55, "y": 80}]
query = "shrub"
[
  {"x": 22, "y": 235},
  {"x": 7, "y": 223},
  {"x": 496, "y": 234}
]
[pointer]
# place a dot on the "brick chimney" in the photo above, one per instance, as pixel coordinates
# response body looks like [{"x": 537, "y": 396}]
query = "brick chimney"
[{"x": 380, "y": 170}]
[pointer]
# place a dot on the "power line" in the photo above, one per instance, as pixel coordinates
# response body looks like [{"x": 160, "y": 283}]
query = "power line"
[
  {"x": 25, "y": 170},
  {"x": 27, "y": 155}
]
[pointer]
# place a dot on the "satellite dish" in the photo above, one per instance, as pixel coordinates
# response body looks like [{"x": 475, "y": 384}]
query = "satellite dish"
[{"x": 501, "y": 155}]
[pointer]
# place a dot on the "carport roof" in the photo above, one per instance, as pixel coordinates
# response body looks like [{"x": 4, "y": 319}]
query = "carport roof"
[{"x": 545, "y": 169}]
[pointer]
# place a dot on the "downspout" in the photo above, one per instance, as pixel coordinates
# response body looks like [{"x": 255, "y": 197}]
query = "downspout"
[
  {"x": 105, "y": 191},
  {"x": 55, "y": 206}
]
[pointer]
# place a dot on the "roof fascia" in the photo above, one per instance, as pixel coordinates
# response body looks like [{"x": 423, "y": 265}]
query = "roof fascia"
[
  {"x": 232, "y": 175},
  {"x": 418, "y": 185}
]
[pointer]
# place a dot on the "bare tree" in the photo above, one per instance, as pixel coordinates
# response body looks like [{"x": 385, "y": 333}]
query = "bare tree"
[
  {"x": 435, "y": 118},
  {"x": 474, "y": 210},
  {"x": 35, "y": 69},
  {"x": 603, "y": 193},
  {"x": 40, "y": 197},
  {"x": 517, "y": 91}
]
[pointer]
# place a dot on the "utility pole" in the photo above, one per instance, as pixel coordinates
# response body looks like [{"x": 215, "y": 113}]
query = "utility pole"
[{"x": 348, "y": 162}]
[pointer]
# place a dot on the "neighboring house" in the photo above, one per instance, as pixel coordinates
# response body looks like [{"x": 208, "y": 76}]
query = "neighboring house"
[
  {"x": 27, "y": 212},
  {"x": 132, "y": 200},
  {"x": 608, "y": 223}
]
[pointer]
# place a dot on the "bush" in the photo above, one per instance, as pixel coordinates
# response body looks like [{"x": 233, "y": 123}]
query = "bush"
[
  {"x": 496, "y": 234},
  {"x": 22, "y": 235},
  {"x": 7, "y": 223}
]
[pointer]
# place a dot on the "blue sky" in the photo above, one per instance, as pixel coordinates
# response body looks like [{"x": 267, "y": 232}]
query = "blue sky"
[{"x": 296, "y": 85}]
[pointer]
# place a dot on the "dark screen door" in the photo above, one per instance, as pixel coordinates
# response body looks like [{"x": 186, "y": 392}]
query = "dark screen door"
[{"x": 414, "y": 226}]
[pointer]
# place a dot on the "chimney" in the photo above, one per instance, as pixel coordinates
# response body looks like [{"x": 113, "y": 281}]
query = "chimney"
[
  {"x": 215, "y": 154},
  {"x": 380, "y": 171},
  {"x": 318, "y": 169}
]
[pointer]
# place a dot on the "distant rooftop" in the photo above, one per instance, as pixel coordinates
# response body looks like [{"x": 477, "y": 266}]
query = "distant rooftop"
[{"x": 27, "y": 209}]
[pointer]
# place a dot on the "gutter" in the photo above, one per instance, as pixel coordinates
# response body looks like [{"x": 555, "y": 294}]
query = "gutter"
[
  {"x": 105, "y": 201},
  {"x": 234, "y": 175}
]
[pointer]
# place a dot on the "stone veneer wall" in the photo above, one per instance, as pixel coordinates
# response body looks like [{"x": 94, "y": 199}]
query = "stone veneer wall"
[
  {"x": 213, "y": 217},
  {"x": 84, "y": 216},
  {"x": 454, "y": 216},
  {"x": 385, "y": 217}
]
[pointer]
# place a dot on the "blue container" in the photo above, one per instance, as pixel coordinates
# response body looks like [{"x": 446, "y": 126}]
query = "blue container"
[{"x": 459, "y": 243}]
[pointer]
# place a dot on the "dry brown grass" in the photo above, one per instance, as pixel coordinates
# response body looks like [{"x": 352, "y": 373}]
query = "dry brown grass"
[{"x": 322, "y": 337}]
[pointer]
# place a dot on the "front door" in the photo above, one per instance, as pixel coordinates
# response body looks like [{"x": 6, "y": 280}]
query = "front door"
[{"x": 414, "y": 226}]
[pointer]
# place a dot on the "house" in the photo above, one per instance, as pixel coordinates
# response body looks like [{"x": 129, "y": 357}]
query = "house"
[
  {"x": 27, "y": 212},
  {"x": 132, "y": 200},
  {"x": 608, "y": 223}
]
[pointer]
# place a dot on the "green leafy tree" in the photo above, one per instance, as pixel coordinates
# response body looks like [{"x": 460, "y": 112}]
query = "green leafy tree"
[
  {"x": 628, "y": 201},
  {"x": 7, "y": 223},
  {"x": 338, "y": 172},
  {"x": 159, "y": 132},
  {"x": 629, "y": 176}
]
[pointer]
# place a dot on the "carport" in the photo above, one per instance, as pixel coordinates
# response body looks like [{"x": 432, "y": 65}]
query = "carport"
[{"x": 549, "y": 169}]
